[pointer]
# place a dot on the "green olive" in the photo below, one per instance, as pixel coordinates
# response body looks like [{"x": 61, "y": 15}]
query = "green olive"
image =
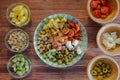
[{"x": 94, "y": 72}]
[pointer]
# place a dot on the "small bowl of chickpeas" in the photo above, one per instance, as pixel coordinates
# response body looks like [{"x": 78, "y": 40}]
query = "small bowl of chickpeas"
[
  {"x": 17, "y": 40},
  {"x": 103, "y": 68}
]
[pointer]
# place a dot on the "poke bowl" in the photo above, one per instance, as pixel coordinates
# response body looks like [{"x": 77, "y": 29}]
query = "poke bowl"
[{"x": 60, "y": 40}]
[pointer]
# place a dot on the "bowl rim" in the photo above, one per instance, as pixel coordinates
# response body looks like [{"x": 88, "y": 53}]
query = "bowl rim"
[
  {"x": 11, "y": 6},
  {"x": 34, "y": 43},
  {"x": 96, "y": 59},
  {"x": 7, "y": 35},
  {"x": 26, "y": 74},
  {"x": 102, "y": 22},
  {"x": 104, "y": 27}
]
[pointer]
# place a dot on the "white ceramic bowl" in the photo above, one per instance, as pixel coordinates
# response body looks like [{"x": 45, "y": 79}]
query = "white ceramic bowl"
[
  {"x": 110, "y": 17},
  {"x": 111, "y": 27},
  {"x": 115, "y": 67}
]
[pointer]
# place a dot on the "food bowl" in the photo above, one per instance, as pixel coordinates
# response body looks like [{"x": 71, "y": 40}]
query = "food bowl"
[
  {"x": 60, "y": 56},
  {"x": 110, "y": 62},
  {"x": 19, "y": 66},
  {"x": 114, "y": 6},
  {"x": 18, "y": 14},
  {"x": 109, "y": 28},
  {"x": 17, "y": 40}
]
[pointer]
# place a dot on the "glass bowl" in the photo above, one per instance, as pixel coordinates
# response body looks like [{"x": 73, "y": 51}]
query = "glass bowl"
[
  {"x": 16, "y": 41},
  {"x": 13, "y": 65},
  {"x": 18, "y": 14}
]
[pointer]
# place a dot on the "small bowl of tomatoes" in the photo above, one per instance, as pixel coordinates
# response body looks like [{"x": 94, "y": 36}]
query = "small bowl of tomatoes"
[{"x": 103, "y": 11}]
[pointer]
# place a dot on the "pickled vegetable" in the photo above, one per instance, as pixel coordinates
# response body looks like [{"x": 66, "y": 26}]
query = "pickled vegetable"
[
  {"x": 19, "y": 15},
  {"x": 20, "y": 65}
]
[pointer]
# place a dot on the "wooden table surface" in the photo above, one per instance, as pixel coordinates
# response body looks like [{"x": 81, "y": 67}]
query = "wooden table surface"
[{"x": 39, "y": 10}]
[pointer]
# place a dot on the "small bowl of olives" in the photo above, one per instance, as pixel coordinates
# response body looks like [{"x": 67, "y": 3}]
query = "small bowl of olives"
[{"x": 103, "y": 68}]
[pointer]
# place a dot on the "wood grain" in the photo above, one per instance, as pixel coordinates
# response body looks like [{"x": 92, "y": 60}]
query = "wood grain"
[{"x": 39, "y": 10}]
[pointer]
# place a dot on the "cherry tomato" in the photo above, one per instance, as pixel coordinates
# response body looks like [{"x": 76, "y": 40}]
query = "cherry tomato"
[
  {"x": 93, "y": 4},
  {"x": 74, "y": 30},
  {"x": 110, "y": 8},
  {"x": 104, "y": 2},
  {"x": 98, "y": 7},
  {"x": 77, "y": 27},
  {"x": 96, "y": 13},
  {"x": 77, "y": 37},
  {"x": 70, "y": 38},
  {"x": 104, "y": 10},
  {"x": 72, "y": 24},
  {"x": 77, "y": 34},
  {"x": 98, "y": 1},
  {"x": 71, "y": 32}
]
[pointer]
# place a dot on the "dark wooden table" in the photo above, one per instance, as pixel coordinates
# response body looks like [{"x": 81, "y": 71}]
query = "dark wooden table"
[{"x": 39, "y": 10}]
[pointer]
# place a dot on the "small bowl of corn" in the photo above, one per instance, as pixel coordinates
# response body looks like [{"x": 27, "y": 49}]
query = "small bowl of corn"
[
  {"x": 18, "y": 14},
  {"x": 19, "y": 66},
  {"x": 17, "y": 40},
  {"x": 103, "y": 68}
]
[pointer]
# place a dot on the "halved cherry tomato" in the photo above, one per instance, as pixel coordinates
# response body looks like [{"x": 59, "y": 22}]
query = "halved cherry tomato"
[
  {"x": 77, "y": 37},
  {"x": 74, "y": 30},
  {"x": 96, "y": 13},
  {"x": 72, "y": 24},
  {"x": 77, "y": 34},
  {"x": 70, "y": 38},
  {"x": 110, "y": 8},
  {"x": 93, "y": 4},
  {"x": 104, "y": 10},
  {"x": 104, "y": 2},
  {"x": 98, "y": 1},
  {"x": 65, "y": 30},
  {"x": 77, "y": 26},
  {"x": 98, "y": 7},
  {"x": 71, "y": 32}
]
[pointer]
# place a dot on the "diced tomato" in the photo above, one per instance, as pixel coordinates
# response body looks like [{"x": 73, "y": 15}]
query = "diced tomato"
[
  {"x": 103, "y": 16},
  {"x": 70, "y": 38},
  {"x": 110, "y": 8},
  {"x": 77, "y": 27},
  {"x": 104, "y": 2},
  {"x": 96, "y": 13},
  {"x": 93, "y": 4},
  {"x": 104, "y": 10},
  {"x": 74, "y": 30},
  {"x": 72, "y": 24},
  {"x": 71, "y": 32},
  {"x": 65, "y": 30}
]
